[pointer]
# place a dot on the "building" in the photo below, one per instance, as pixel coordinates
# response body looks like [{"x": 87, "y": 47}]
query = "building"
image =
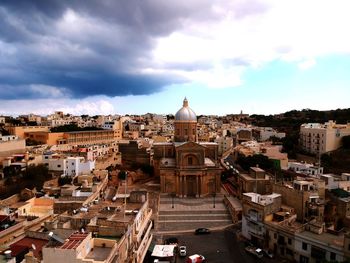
[
  {"x": 305, "y": 195},
  {"x": 319, "y": 138},
  {"x": 244, "y": 135},
  {"x": 69, "y": 166},
  {"x": 186, "y": 167},
  {"x": 128, "y": 224},
  {"x": 256, "y": 181},
  {"x": 224, "y": 144},
  {"x": 42, "y": 135},
  {"x": 23, "y": 131},
  {"x": 256, "y": 210},
  {"x": 135, "y": 152},
  {"x": 265, "y": 133},
  {"x": 306, "y": 168},
  {"x": 10, "y": 145},
  {"x": 80, "y": 247},
  {"x": 2, "y": 120}
]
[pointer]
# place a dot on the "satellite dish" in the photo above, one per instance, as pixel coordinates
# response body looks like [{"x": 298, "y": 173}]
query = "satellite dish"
[
  {"x": 33, "y": 247},
  {"x": 50, "y": 234},
  {"x": 108, "y": 208},
  {"x": 82, "y": 230}
]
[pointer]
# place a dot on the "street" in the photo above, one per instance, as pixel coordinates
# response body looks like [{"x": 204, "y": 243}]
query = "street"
[{"x": 219, "y": 246}]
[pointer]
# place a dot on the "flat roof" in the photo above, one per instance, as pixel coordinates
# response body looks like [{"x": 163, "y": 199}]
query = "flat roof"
[
  {"x": 99, "y": 253},
  {"x": 247, "y": 177},
  {"x": 27, "y": 242},
  {"x": 74, "y": 240},
  {"x": 325, "y": 238}
]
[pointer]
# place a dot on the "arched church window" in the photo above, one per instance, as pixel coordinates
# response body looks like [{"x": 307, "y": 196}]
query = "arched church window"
[{"x": 190, "y": 161}]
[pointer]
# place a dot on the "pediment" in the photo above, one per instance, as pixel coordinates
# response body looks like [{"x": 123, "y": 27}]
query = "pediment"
[{"x": 190, "y": 145}]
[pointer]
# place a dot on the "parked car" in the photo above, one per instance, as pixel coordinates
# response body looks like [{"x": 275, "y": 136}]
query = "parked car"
[
  {"x": 268, "y": 253},
  {"x": 255, "y": 251},
  {"x": 171, "y": 241},
  {"x": 202, "y": 231},
  {"x": 183, "y": 251},
  {"x": 195, "y": 259}
]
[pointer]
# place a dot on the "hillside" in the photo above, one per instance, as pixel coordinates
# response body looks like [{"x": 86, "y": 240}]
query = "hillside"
[{"x": 290, "y": 120}]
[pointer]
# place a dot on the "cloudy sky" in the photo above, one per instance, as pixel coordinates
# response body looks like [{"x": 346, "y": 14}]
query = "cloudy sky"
[{"x": 138, "y": 56}]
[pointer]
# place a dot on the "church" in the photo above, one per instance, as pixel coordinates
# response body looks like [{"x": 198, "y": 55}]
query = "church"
[{"x": 186, "y": 167}]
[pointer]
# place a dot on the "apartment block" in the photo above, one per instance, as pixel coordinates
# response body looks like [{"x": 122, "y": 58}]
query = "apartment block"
[{"x": 319, "y": 138}]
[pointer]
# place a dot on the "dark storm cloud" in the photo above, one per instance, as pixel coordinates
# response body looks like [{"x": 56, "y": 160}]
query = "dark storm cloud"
[{"x": 103, "y": 52}]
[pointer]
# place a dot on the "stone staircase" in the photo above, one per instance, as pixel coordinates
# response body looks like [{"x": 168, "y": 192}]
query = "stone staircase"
[{"x": 187, "y": 214}]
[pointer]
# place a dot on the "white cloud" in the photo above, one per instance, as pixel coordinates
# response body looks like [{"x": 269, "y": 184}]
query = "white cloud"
[
  {"x": 292, "y": 31},
  {"x": 306, "y": 64},
  {"x": 91, "y": 106}
]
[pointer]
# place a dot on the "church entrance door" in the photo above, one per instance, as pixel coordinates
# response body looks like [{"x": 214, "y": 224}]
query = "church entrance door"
[{"x": 191, "y": 186}]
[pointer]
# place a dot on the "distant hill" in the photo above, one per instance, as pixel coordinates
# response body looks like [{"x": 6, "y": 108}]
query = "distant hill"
[
  {"x": 337, "y": 161},
  {"x": 290, "y": 120}
]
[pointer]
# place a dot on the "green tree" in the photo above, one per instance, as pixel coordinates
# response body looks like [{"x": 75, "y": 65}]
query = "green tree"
[
  {"x": 326, "y": 161},
  {"x": 251, "y": 161},
  {"x": 64, "y": 180},
  {"x": 36, "y": 175}
]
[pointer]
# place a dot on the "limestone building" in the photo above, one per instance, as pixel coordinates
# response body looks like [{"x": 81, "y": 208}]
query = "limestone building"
[
  {"x": 319, "y": 138},
  {"x": 187, "y": 168}
]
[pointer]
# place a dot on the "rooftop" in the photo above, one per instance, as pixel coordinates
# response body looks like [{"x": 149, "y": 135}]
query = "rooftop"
[
  {"x": 74, "y": 240},
  {"x": 28, "y": 242},
  {"x": 325, "y": 238}
]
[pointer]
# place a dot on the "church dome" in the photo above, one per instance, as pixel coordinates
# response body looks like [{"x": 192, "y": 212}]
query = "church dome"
[{"x": 185, "y": 113}]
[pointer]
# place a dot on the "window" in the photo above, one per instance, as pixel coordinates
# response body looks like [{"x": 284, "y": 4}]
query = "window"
[
  {"x": 190, "y": 161},
  {"x": 333, "y": 256},
  {"x": 289, "y": 241},
  {"x": 58, "y": 165},
  {"x": 304, "y": 246},
  {"x": 185, "y": 131},
  {"x": 289, "y": 252},
  {"x": 275, "y": 235}
]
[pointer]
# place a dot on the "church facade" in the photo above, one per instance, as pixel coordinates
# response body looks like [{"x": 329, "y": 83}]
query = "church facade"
[{"x": 187, "y": 168}]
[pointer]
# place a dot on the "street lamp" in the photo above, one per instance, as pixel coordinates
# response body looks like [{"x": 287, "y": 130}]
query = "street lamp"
[
  {"x": 214, "y": 194},
  {"x": 172, "y": 199}
]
